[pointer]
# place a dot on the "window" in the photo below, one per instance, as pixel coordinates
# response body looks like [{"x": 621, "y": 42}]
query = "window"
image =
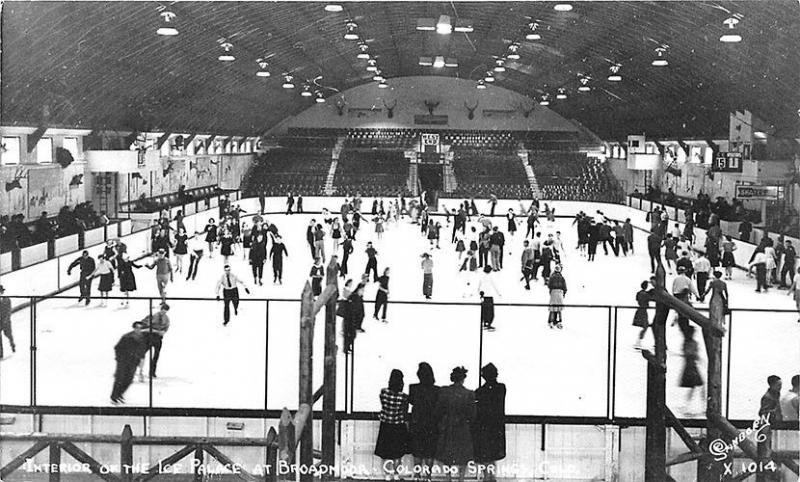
[
  {"x": 44, "y": 151},
  {"x": 71, "y": 144},
  {"x": 10, "y": 154}
]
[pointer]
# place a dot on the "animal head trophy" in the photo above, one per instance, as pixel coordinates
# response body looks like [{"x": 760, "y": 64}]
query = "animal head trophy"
[
  {"x": 526, "y": 111},
  {"x": 19, "y": 174},
  {"x": 340, "y": 105},
  {"x": 471, "y": 110},
  {"x": 390, "y": 108},
  {"x": 431, "y": 105}
]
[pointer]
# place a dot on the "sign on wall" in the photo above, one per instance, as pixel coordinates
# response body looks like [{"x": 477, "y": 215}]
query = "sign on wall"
[
  {"x": 758, "y": 192},
  {"x": 727, "y": 162}
]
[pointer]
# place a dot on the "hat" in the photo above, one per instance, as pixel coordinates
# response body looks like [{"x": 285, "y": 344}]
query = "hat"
[
  {"x": 164, "y": 306},
  {"x": 458, "y": 374}
]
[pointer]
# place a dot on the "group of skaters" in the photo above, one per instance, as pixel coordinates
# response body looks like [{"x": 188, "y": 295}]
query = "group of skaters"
[
  {"x": 602, "y": 231},
  {"x": 461, "y": 429}
]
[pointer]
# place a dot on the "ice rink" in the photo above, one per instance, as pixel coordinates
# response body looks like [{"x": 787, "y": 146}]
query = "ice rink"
[{"x": 587, "y": 369}]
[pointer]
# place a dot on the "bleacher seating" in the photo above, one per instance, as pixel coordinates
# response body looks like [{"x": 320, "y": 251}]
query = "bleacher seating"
[
  {"x": 283, "y": 170},
  {"x": 380, "y": 138},
  {"x": 480, "y": 140},
  {"x": 481, "y": 174},
  {"x": 571, "y": 176},
  {"x": 371, "y": 173}
]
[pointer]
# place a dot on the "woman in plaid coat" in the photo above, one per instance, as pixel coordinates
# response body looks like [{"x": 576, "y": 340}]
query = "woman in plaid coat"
[{"x": 393, "y": 438}]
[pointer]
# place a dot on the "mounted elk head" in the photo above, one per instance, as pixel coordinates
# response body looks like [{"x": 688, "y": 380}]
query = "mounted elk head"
[
  {"x": 431, "y": 105},
  {"x": 20, "y": 174},
  {"x": 471, "y": 110},
  {"x": 390, "y": 108}
]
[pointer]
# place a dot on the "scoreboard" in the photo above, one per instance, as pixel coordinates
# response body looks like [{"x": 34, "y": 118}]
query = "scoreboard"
[{"x": 727, "y": 162}]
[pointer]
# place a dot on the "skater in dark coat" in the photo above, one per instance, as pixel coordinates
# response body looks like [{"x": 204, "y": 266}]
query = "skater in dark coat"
[
  {"x": 489, "y": 429},
  {"x": 277, "y": 253},
  {"x": 640, "y": 318},
  {"x": 127, "y": 280},
  {"x": 455, "y": 410},
  {"x": 423, "y": 397},
  {"x": 258, "y": 255},
  {"x": 347, "y": 250},
  {"x": 129, "y": 351},
  {"x": 310, "y": 238},
  {"x": 87, "y": 267},
  {"x": 690, "y": 378},
  {"x": 353, "y": 314},
  {"x": 393, "y": 438}
]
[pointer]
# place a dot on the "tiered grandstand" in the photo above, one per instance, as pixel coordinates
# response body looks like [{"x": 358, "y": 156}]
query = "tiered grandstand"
[
  {"x": 571, "y": 176},
  {"x": 289, "y": 170},
  {"x": 483, "y": 173},
  {"x": 371, "y": 173},
  {"x": 480, "y": 140},
  {"x": 380, "y": 138}
]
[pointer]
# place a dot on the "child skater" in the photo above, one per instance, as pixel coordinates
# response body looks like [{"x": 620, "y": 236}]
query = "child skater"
[
  {"x": 106, "y": 273},
  {"x": 316, "y": 274},
  {"x": 180, "y": 249},
  {"x": 460, "y": 248},
  {"x": 211, "y": 236}
]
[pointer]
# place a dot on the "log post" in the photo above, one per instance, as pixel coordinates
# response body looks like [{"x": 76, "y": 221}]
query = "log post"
[
  {"x": 199, "y": 470},
  {"x": 329, "y": 376},
  {"x": 55, "y": 461},
  {"x": 709, "y": 469},
  {"x": 126, "y": 455},
  {"x": 656, "y": 438},
  {"x": 271, "y": 469},
  {"x": 306, "y": 389}
]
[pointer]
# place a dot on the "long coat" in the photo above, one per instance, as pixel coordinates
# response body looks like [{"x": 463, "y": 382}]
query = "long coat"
[
  {"x": 489, "y": 428},
  {"x": 455, "y": 411},
  {"x": 424, "y": 433}
]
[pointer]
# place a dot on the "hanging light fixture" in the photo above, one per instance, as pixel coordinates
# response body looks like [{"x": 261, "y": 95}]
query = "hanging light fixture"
[
  {"x": 226, "y": 56},
  {"x": 660, "y": 60},
  {"x": 499, "y": 67},
  {"x": 443, "y": 26},
  {"x": 489, "y": 77},
  {"x": 306, "y": 91},
  {"x": 562, "y": 94},
  {"x": 731, "y": 36},
  {"x": 166, "y": 29},
  {"x": 372, "y": 65},
  {"x": 438, "y": 62},
  {"x": 288, "y": 82},
  {"x": 362, "y": 47},
  {"x": 382, "y": 84},
  {"x": 481, "y": 84},
  {"x": 545, "y": 100},
  {"x": 513, "y": 53},
  {"x": 562, "y": 7},
  {"x": 584, "y": 87},
  {"x": 378, "y": 77},
  {"x": 333, "y": 7},
  {"x": 533, "y": 34},
  {"x": 350, "y": 33},
  {"x": 262, "y": 72},
  {"x": 615, "y": 77},
  {"x": 319, "y": 99}
]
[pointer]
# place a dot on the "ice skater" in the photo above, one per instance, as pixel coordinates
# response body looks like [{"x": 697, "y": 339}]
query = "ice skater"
[
  {"x": 372, "y": 261},
  {"x": 488, "y": 291},
  {"x": 258, "y": 255},
  {"x": 316, "y": 274},
  {"x": 5, "y": 322},
  {"x": 211, "y": 236},
  {"x": 690, "y": 378},
  {"x": 87, "y": 266},
  {"x": 558, "y": 290},
  {"x": 127, "y": 279},
  {"x": 276, "y": 254},
  {"x": 163, "y": 272},
  {"x": 197, "y": 248},
  {"x": 469, "y": 268},
  {"x": 129, "y": 351},
  {"x": 229, "y": 284},
  {"x": 106, "y": 273},
  {"x": 181, "y": 249},
  {"x": 382, "y": 296},
  {"x": 347, "y": 250},
  {"x": 289, "y": 203},
  {"x": 154, "y": 328},
  {"x": 427, "y": 275},
  {"x": 641, "y": 318}
]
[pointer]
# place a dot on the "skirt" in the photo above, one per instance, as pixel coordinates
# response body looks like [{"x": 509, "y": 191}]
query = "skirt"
[
  {"x": 556, "y": 300},
  {"x": 640, "y": 318},
  {"x": 727, "y": 260},
  {"x": 393, "y": 440},
  {"x": 691, "y": 376},
  {"x": 127, "y": 283},
  {"x": 106, "y": 282}
]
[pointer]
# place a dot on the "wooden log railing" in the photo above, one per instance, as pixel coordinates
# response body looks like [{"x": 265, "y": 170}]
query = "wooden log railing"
[{"x": 128, "y": 471}]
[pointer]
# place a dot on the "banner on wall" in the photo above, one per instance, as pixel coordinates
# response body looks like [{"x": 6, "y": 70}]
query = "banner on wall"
[{"x": 758, "y": 192}]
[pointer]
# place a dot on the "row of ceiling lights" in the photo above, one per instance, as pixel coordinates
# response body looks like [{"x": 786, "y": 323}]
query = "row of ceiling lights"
[{"x": 444, "y": 27}]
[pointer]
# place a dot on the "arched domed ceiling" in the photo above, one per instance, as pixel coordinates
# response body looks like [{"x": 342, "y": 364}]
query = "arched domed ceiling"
[{"x": 101, "y": 64}]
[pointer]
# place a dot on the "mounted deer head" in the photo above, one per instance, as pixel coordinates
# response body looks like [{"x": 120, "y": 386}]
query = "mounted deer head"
[
  {"x": 390, "y": 108},
  {"x": 20, "y": 174},
  {"x": 431, "y": 105},
  {"x": 340, "y": 105},
  {"x": 471, "y": 114}
]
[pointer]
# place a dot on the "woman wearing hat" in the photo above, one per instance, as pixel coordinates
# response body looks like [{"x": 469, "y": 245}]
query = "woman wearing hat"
[
  {"x": 423, "y": 397},
  {"x": 455, "y": 411},
  {"x": 392, "y": 442},
  {"x": 489, "y": 429},
  {"x": 558, "y": 289}
]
